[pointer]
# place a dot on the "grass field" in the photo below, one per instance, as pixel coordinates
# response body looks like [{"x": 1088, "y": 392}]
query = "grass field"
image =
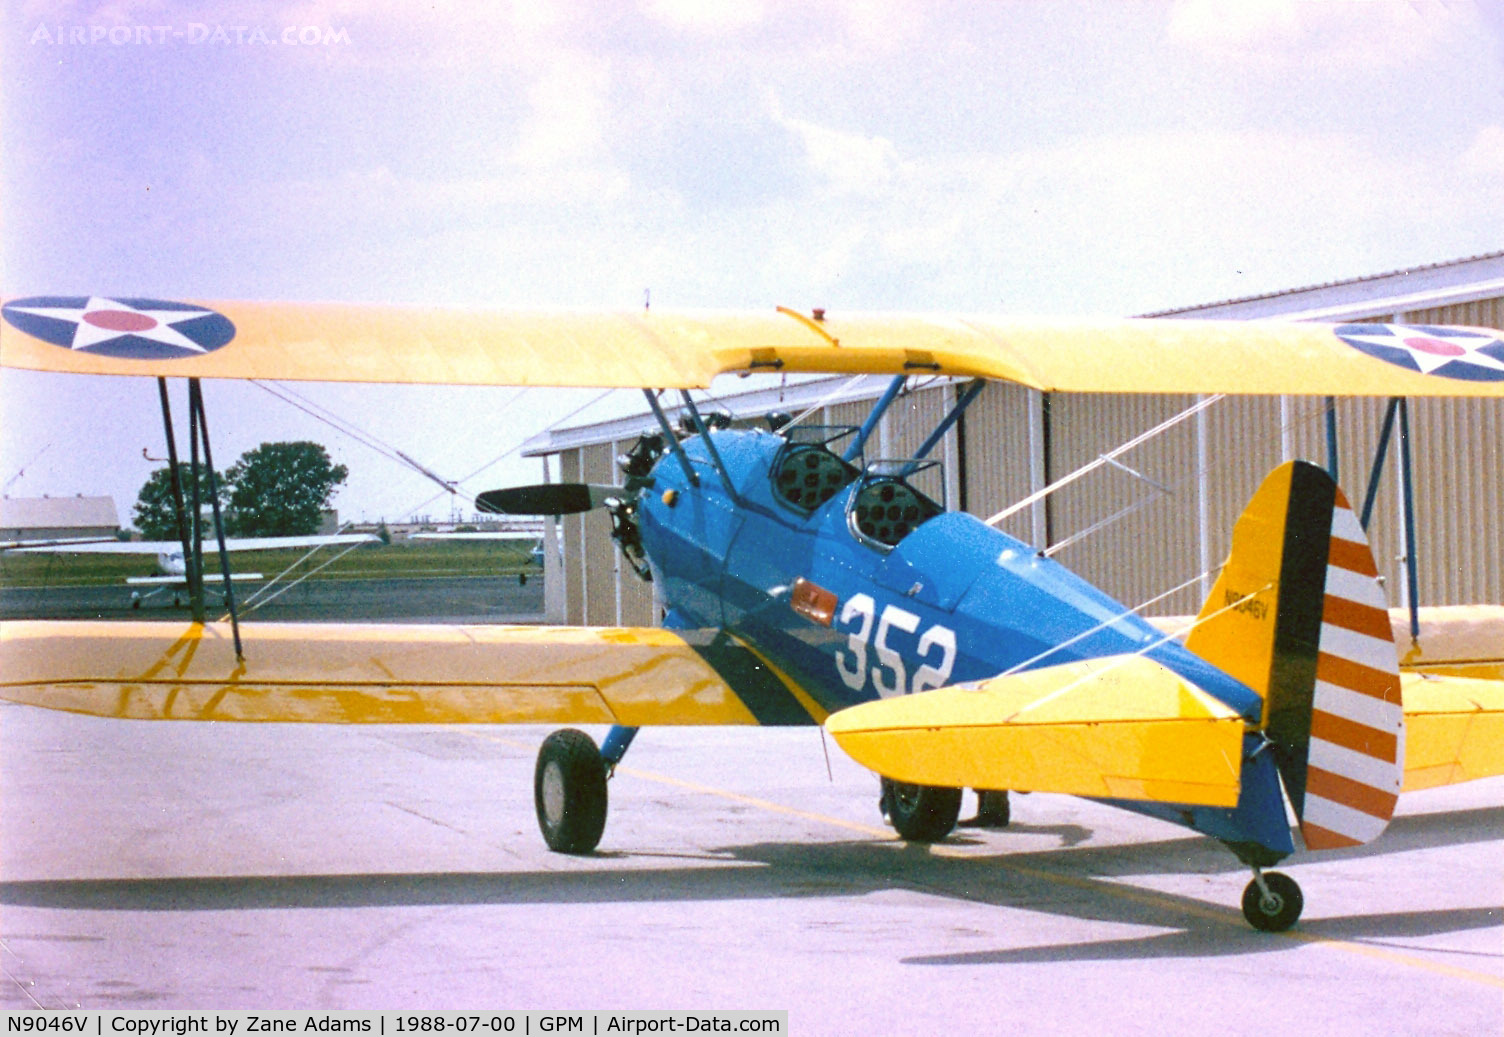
[{"x": 410, "y": 559}]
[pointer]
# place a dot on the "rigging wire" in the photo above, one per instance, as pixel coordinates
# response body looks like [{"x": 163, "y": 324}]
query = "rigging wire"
[
  {"x": 261, "y": 598},
  {"x": 1197, "y": 473},
  {"x": 470, "y": 497}
]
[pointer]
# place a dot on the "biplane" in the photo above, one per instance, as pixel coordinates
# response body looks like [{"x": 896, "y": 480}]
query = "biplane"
[{"x": 804, "y": 582}]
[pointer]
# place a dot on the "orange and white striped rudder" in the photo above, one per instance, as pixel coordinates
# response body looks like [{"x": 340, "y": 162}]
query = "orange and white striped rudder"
[
  {"x": 1298, "y": 615},
  {"x": 1355, "y": 761}
]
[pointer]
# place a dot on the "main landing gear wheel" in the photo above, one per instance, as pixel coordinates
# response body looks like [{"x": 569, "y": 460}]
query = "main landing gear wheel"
[
  {"x": 1275, "y": 906},
  {"x": 569, "y": 792},
  {"x": 920, "y": 813}
]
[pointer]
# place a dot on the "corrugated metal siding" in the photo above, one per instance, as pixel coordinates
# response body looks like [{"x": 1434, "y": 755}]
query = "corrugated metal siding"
[
  {"x": 572, "y": 532},
  {"x": 907, "y": 424},
  {"x": 997, "y": 456},
  {"x": 599, "y": 550},
  {"x": 1148, "y": 543},
  {"x": 1457, "y": 448},
  {"x": 1483, "y": 313},
  {"x": 848, "y": 414}
]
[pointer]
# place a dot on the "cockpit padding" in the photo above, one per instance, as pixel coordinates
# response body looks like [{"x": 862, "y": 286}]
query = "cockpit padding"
[
  {"x": 808, "y": 475},
  {"x": 888, "y": 509}
]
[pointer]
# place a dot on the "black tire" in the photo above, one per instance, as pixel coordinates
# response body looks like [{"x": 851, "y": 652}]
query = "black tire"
[
  {"x": 1280, "y": 910},
  {"x": 569, "y": 792},
  {"x": 921, "y": 813}
]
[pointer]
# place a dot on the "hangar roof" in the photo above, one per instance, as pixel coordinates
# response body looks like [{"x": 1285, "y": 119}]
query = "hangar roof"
[{"x": 1415, "y": 288}]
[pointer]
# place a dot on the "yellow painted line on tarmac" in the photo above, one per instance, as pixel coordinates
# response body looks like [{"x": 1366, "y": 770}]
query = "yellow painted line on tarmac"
[{"x": 1096, "y": 885}]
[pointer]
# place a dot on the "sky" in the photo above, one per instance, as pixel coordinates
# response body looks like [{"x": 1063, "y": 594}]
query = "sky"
[{"x": 1043, "y": 157}]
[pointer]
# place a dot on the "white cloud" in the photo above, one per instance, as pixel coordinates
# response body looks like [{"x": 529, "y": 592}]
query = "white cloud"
[
  {"x": 851, "y": 163},
  {"x": 1220, "y": 24},
  {"x": 1311, "y": 33},
  {"x": 568, "y": 112}
]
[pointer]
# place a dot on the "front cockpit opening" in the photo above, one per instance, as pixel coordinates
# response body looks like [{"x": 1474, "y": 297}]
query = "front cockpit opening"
[{"x": 807, "y": 472}]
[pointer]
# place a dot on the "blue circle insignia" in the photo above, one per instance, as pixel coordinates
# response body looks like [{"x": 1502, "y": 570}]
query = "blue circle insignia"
[
  {"x": 1469, "y": 354},
  {"x": 127, "y": 328}
]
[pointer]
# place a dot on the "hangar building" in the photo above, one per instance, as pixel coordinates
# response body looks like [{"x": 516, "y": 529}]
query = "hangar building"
[
  {"x": 46, "y": 518},
  {"x": 1158, "y": 516}
]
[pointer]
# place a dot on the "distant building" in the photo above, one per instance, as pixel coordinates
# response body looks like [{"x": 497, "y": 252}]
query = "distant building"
[{"x": 43, "y": 518}]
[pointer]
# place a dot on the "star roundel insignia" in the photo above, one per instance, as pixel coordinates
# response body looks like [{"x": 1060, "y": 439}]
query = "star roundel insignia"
[
  {"x": 132, "y": 329},
  {"x": 1472, "y": 355}
]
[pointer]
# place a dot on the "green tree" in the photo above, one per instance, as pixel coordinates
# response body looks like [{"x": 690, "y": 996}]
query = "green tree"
[
  {"x": 281, "y": 489},
  {"x": 154, "y": 513}
]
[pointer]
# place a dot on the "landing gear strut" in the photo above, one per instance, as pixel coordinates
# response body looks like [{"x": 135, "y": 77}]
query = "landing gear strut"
[
  {"x": 920, "y": 813},
  {"x": 1272, "y": 901},
  {"x": 569, "y": 792}
]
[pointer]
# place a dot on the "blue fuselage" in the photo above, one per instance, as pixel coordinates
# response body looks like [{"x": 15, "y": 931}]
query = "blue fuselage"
[{"x": 954, "y": 600}]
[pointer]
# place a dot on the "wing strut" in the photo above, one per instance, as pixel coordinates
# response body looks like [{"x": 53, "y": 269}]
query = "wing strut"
[
  {"x": 715, "y": 455},
  {"x": 189, "y": 530},
  {"x": 669, "y": 438},
  {"x": 190, "y": 567},
  {"x": 196, "y": 408}
]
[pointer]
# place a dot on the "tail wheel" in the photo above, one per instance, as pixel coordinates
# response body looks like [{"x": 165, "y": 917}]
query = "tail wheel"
[
  {"x": 1275, "y": 907},
  {"x": 569, "y": 792},
  {"x": 920, "y": 813}
]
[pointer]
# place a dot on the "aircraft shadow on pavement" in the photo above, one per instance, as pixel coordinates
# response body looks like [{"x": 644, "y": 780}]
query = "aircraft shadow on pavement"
[{"x": 1070, "y": 882}]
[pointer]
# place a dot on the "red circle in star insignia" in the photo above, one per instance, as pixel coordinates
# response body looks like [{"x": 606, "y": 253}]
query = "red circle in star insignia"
[
  {"x": 1434, "y": 346},
  {"x": 120, "y": 320}
]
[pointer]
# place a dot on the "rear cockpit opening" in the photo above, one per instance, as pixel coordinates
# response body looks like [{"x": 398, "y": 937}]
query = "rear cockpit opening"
[{"x": 886, "y": 507}]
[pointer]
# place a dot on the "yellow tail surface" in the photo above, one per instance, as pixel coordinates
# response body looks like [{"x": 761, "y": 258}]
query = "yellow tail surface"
[{"x": 1299, "y": 615}]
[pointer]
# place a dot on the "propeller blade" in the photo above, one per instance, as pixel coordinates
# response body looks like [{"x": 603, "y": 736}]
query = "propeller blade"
[{"x": 566, "y": 498}]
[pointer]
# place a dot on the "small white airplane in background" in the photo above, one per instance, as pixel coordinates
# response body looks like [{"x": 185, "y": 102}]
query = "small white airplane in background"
[{"x": 172, "y": 571}]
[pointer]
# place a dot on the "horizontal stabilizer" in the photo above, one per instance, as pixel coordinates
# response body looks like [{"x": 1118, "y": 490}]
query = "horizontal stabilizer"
[{"x": 1120, "y": 727}]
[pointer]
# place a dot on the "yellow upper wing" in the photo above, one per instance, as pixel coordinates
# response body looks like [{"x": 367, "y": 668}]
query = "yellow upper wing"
[
  {"x": 367, "y": 343},
  {"x": 395, "y": 673}
]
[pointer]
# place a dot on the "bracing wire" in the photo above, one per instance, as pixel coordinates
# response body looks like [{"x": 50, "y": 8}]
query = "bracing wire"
[{"x": 1198, "y": 473}]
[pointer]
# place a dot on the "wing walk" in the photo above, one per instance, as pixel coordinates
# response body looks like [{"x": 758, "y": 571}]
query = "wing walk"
[{"x": 390, "y": 673}]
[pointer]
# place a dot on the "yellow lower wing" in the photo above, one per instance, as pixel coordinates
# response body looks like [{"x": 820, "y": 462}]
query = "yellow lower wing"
[
  {"x": 1454, "y": 730},
  {"x": 1121, "y": 727},
  {"x": 395, "y": 673}
]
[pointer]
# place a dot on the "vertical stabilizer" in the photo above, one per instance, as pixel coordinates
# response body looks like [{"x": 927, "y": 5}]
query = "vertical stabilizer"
[{"x": 1298, "y": 615}]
